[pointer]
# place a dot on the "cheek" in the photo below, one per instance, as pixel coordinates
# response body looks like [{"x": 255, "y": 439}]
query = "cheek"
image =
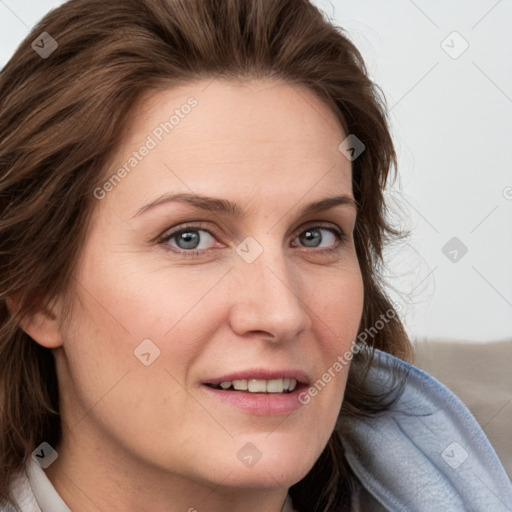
[
  {"x": 337, "y": 313},
  {"x": 108, "y": 388},
  {"x": 337, "y": 304},
  {"x": 127, "y": 302}
]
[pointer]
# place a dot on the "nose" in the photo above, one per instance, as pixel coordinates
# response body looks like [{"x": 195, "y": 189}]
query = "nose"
[{"x": 267, "y": 298}]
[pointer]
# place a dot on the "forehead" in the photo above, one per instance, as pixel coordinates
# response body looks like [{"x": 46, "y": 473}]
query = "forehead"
[{"x": 247, "y": 137}]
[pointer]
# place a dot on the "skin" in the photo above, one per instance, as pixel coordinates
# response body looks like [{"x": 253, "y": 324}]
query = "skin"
[{"x": 148, "y": 437}]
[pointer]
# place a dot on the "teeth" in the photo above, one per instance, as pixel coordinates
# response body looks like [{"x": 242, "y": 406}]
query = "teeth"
[
  {"x": 240, "y": 385},
  {"x": 261, "y": 386},
  {"x": 274, "y": 386},
  {"x": 257, "y": 386}
]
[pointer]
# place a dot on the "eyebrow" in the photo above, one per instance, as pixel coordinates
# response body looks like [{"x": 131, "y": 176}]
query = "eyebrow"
[{"x": 217, "y": 205}]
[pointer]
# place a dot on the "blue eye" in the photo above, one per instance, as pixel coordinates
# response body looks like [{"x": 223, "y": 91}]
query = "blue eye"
[
  {"x": 314, "y": 235},
  {"x": 188, "y": 240}
]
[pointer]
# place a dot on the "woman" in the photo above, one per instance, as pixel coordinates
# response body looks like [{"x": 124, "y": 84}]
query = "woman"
[{"x": 192, "y": 223}]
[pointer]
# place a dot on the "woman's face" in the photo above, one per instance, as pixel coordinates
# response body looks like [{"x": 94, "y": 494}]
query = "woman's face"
[{"x": 174, "y": 295}]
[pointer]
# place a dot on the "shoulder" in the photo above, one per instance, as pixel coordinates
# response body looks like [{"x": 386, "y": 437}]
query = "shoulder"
[{"x": 427, "y": 452}]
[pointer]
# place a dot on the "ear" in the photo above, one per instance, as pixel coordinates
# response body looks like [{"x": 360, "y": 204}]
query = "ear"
[{"x": 43, "y": 326}]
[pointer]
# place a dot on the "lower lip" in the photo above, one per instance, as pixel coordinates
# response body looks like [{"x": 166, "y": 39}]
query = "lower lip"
[{"x": 263, "y": 404}]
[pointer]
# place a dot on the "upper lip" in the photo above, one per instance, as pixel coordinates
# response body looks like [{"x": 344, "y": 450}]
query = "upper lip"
[{"x": 261, "y": 374}]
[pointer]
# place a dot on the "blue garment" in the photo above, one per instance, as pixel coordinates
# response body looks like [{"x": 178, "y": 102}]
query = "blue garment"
[{"x": 427, "y": 454}]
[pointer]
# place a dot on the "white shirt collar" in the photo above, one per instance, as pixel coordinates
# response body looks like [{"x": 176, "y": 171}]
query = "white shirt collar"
[{"x": 35, "y": 493}]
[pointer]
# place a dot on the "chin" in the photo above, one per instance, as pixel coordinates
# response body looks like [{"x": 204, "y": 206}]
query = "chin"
[
  {"x": 267, "y": 476},
  {"x": 270, "y": 466}
]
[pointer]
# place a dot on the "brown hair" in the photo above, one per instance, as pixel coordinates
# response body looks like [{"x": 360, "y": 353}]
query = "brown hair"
[{"x": 61, "y": 120}]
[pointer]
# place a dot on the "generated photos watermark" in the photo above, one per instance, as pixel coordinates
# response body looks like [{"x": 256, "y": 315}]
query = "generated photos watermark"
[
  {"x": 344, "y": 360},
  {"x": 153, "y": 139}
]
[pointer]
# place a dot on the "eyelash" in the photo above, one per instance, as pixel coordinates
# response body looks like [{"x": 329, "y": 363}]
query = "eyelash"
[{"x": 166, "y": 237}]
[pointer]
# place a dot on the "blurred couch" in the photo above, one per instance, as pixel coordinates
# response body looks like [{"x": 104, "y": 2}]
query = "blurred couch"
[{"x": 480, "y": 374}]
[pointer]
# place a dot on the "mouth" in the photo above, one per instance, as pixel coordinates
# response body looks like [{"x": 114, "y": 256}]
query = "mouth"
[
  {"x": 281, "y": 385},
  {"x": 260, "y": 392}
]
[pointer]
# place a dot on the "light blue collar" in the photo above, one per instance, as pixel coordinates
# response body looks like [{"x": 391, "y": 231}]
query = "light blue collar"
[{"x": 428, "y": 453}]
